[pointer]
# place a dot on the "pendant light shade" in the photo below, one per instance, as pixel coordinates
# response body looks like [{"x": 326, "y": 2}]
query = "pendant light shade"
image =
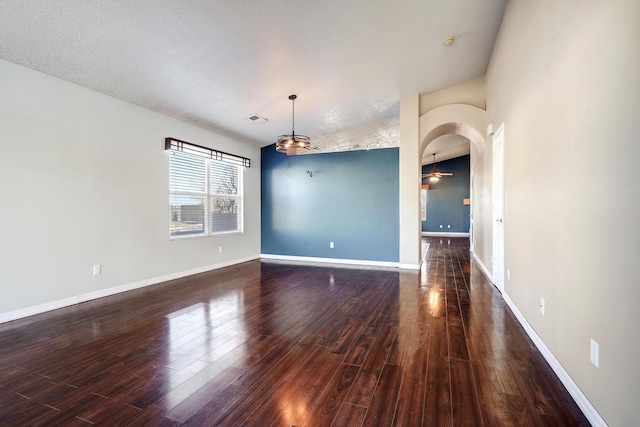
[{"x": 292, "y": 143}]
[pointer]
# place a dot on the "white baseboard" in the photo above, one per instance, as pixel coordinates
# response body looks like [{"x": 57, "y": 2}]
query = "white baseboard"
[
  {"x": 54, "y": 305},
  {"x": 581, "y": 400},
  {"x": 66, "y": 302},
  {"x": 332, "y": 260},
  {"x": 484, "y": 268},
  {"x": 443, "y": 234}
]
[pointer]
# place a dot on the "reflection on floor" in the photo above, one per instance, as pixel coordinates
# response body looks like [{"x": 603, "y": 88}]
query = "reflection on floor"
[{"x": 276, "y": 344}]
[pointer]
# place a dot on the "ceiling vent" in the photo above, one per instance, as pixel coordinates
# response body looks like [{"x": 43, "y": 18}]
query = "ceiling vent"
[{"x": 257, "y": 119}]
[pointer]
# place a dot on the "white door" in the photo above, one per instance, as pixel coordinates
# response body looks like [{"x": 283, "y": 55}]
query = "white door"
[
  {"x": 471, "y": 240},
  {"x": 498, "y": 208}
]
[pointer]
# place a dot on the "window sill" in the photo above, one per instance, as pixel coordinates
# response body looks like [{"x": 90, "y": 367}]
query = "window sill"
[{"x": 200, "y": 236}]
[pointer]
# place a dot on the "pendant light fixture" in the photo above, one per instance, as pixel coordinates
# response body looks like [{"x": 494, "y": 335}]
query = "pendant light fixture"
[
  {"x": 293, "y": 144},
  {"x": 433, "y": 177}
]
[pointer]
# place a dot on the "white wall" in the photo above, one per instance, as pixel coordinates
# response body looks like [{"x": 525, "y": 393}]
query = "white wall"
[
  {"x": 84, "y": 180},
  {"x": 564, "y": 80}
]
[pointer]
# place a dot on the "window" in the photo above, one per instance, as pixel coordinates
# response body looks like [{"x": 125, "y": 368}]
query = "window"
[{"x": 205, "y": 195}]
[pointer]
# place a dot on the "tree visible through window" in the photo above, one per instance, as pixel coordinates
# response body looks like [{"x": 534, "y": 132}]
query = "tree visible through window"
[{"x": 206, "y": 196}]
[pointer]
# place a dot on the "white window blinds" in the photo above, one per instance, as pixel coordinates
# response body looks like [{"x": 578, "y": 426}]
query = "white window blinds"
[{"x": 205, "y": 195}]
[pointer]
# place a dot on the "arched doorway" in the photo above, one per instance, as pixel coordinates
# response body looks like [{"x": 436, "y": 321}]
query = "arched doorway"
[{"x": 462, "y": 120}]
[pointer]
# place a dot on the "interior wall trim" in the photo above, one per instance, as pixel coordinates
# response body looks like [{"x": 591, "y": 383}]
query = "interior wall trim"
[
  {"x": 484, "y": 268},
  {"x": 444, "y": 234},
  {"x": 409, "y": 266},
  {"x": 54, "y": 305},
  {"x": 581, "y": 400},
  {"x": 330, "y": 260},
  {"x": 78, "y": 299},
  {"x": 583, "y": 403}
]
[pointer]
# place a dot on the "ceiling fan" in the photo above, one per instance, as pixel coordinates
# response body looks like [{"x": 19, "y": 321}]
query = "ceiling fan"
[{"x": 435, "y": 176}]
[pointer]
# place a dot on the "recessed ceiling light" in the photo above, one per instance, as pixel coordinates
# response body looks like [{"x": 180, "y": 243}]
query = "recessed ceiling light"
[{"x": 449, "y": 41}]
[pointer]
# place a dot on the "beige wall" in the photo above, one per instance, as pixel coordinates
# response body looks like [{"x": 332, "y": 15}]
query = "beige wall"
[
  {"x": 85, "y": 180},
  {"x": 564, "y": 78},
  {"x": 409, "y": 182},
  {"x": 470, "y": 93}
]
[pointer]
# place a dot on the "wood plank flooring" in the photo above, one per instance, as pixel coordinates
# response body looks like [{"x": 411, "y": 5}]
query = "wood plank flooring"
[{"x": 274, "y": 344}]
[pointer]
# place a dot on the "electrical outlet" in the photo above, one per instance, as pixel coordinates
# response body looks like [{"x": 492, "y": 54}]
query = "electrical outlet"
[
  {"x": 508, "y": 274},
  {"x": 449, "y": 226},
  {"x": 595, "y": 349},
  {"x": 97, "y": 270},
  {"x": 542, "y": 306},
  {"x": 440, "y": 225},
  {"x": 220, "y": 249},
  {"x": 330, "y": 245}
]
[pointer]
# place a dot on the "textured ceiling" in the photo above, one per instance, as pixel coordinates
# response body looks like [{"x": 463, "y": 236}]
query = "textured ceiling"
[{"x": 215, "y": 63}]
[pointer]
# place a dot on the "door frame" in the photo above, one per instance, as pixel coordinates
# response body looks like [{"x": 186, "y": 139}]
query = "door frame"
[
  {"x": 471, "y": 230},
  {"x": 497, "y": 211}
]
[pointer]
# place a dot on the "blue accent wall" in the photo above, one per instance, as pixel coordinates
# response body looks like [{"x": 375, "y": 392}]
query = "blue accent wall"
[
  {"x": 351, "y": 200},
  {"x": 445, "y": 199}
]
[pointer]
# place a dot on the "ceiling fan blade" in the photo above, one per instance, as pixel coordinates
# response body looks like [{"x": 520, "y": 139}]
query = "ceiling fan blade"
[{"x": 445, "y": 173}]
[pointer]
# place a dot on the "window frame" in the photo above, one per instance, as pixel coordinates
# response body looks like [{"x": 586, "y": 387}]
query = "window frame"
[{"x": 212, "y": 161}]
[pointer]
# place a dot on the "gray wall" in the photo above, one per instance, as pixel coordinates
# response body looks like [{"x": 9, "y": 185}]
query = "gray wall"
[
  {"x": 564, "y": 80},
  {"x": 85, "y": 180}
]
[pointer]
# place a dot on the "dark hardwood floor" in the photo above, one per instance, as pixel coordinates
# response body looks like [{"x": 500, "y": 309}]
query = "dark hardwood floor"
[{"x": 266, "y": 343}]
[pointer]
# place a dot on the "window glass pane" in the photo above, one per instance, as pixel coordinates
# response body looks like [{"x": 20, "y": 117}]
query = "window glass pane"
[
  {"x": 187, "y": 215},
  {"x": 224, "y": 178},
  {"x": 224, "y": 214},
  {"x": 224, "y": 204}
]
